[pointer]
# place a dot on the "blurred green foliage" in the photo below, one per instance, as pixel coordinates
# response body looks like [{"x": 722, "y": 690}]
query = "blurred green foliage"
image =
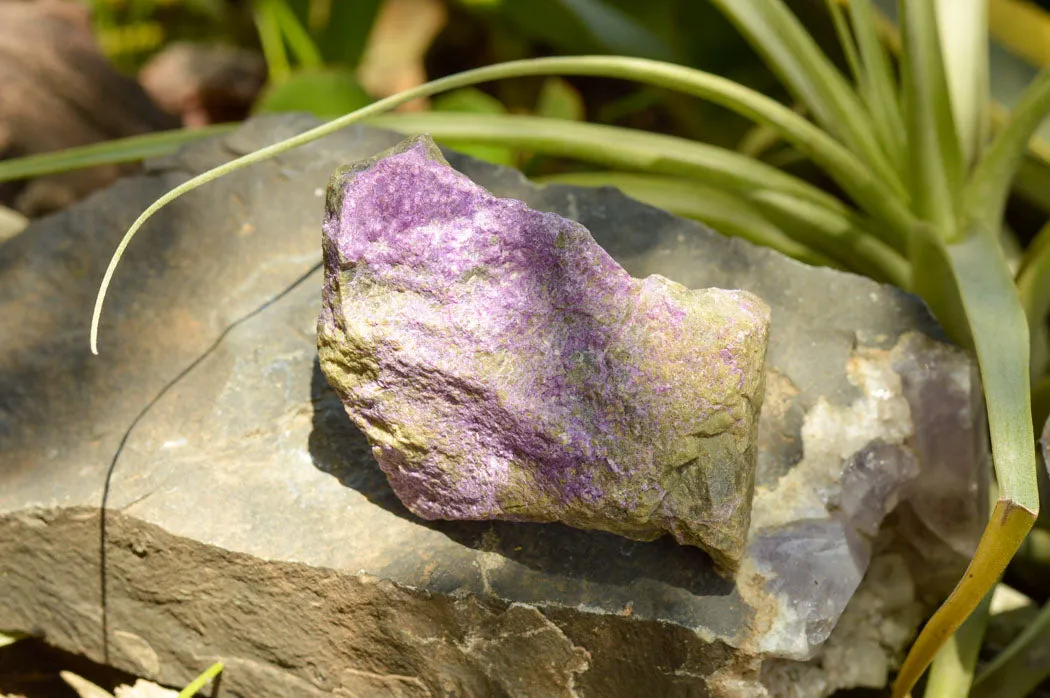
[
  {"x": 323, "y": 92},
  {"x": 311, "y": 35}
]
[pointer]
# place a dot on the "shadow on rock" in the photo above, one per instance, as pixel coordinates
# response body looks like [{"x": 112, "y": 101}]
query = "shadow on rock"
[{"x": 338, "y": 448}]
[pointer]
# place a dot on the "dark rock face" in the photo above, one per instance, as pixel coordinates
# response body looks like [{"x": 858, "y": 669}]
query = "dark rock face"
[
  {"x": 247, "y": 520},
  {"x": 504, "y": 366}
]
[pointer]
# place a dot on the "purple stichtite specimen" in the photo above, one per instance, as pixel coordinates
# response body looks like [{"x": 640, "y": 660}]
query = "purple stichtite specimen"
[{"x": 504, "y": 366}]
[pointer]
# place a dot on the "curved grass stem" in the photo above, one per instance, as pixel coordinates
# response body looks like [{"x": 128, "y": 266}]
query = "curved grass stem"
[{"x": 121, "y": 150}]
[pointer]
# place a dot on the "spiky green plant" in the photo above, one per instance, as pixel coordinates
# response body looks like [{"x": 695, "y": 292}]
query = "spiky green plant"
[{"x": 926, "y": 187}]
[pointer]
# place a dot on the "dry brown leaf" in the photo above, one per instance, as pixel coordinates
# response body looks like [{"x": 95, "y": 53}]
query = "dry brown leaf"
[
  {"x": 11, "y": 223},
  {"x": 83, "y": 687},
  {"x": 141, "y": 689},
  {"x": 204, "y": 83},
  {"x": 393, "y": 57}
]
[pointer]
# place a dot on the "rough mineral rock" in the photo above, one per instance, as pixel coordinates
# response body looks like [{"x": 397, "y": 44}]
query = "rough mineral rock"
[
  {"x": 247, "y": 520},
  {"x": 504, "y": 366}
]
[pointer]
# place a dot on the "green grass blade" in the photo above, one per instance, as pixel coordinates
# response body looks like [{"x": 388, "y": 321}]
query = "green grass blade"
[
  {"x": 963, "y": 31},
  {"x": 199, "y": 682},
  {"x": 776, "y": 34},
  {"x": 850, "y": 173},
  {"x": 1022, "y": 666},
  {"x": 758, "y": 141},
  {"x": 132, "y": 149},
  {"x": 789, "y": 50},
  {"x": 878, "y": 86},
  {"x": 1033, "y": 288},
  {"x": 846, "y": 40},
  {"x": 727, "y": 212},
  {"x": 933, "y": 145},
  {"x": 854, "y": 177},
  {"x": 989, "y": 186},
  {"x": 558, "y": 99},
  {"x": 999, "y": 333},
  {"x": 809, "y": 232},
  {"x": 296, "y": 36},
  {"x": 872, "y": 191},
  {"x": 765, "y": 217},
  {"x": 269, "y": 29},
  {"x": 845, "y": 237},
  {"x": 343, "y": 38},
  {"x": 611, "y": 146},
  {"x": 471, "y": 100}
]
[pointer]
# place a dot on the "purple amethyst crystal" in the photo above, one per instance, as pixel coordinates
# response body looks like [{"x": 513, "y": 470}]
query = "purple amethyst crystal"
[{"x": 504, "y": 366}]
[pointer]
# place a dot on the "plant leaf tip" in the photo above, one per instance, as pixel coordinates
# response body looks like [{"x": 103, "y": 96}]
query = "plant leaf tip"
[{"x": 93, "y": 337}]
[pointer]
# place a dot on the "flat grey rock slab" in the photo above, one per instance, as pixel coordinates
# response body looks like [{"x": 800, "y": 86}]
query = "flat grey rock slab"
[{"x": 247, "y": 521}]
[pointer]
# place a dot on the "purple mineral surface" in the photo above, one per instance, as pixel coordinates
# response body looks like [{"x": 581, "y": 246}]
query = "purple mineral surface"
[{"x": 504, "y": 366}]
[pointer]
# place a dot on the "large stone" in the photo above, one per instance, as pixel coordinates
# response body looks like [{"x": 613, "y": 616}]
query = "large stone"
[
  {"x": 504, "y": 366},
  {"x": 247, "y": 520}
]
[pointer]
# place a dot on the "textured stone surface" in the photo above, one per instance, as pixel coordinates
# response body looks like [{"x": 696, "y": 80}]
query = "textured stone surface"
[
  {"x": 504, "y": 366},
  {"x": 247, "y": 520}
]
